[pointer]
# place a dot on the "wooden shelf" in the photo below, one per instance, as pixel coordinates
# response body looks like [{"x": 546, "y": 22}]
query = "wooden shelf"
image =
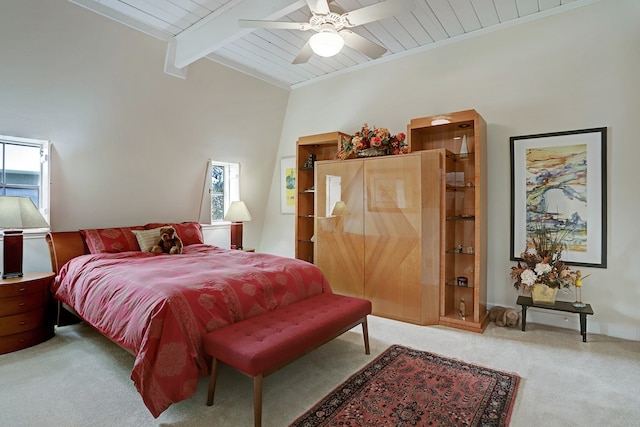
[
  {"x": 321, "y": 147},
  {"x": 464, "y": 212}
]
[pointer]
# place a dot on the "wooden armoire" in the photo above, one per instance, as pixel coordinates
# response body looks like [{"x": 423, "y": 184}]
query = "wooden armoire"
[
  {"x": 407, "y": 232},
  {"x": 377, "y": 228}
]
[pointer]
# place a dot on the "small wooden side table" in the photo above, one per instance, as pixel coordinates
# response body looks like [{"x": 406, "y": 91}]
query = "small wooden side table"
[
  {"x": 527, "y": 302},
  {"x": 26, "y": 311}
]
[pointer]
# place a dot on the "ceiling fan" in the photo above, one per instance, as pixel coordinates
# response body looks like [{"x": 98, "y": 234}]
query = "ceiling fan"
[{"x": 330, "y": 24}]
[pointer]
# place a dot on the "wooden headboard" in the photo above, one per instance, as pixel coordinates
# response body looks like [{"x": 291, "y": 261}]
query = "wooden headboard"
[{"x": 63, "y": 246}]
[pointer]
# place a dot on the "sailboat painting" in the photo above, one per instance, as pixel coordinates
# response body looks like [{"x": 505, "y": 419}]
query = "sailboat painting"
[
  {"x": 556, "y": 193},
  {"x": 558, "y": 182}
]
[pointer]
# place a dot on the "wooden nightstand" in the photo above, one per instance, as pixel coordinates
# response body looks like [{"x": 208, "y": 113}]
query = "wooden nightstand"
[{"x": 26, "y": 311}]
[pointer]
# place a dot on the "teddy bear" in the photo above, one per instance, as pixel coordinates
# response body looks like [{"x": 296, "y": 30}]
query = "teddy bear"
[
  {"x": 504, "y": 316},
  {"x": 169, "y": 242}
]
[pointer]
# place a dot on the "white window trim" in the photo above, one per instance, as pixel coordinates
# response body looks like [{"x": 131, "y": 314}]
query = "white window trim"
[
  {"x": 44, "y": 201},
  {"x": 232, "y": 186}
]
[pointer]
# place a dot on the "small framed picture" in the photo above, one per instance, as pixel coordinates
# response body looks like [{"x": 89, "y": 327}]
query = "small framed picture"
[{"x": 288, "y": 185}]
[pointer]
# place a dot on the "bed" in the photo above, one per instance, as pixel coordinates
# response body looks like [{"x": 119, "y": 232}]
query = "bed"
[{"x": 159, "y": 306}]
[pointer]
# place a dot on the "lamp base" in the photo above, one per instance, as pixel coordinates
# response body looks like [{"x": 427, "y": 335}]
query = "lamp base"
[
  {"x": 236, "y": 235},
  {"x": 12, "y": 254}
]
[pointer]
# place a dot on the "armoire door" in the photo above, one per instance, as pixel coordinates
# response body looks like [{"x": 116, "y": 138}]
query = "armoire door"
[
  {"x": 402, "y": 223},
  {"x": 339, "y": 239}
]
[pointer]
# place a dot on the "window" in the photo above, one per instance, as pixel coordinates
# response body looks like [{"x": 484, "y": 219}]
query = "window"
[
  {"x": 24, "y": 167},
  {"x": 225, "y": 188}
]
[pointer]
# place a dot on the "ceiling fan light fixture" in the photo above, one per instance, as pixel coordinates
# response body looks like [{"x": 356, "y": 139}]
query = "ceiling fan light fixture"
[{"x": 326, "y": 43}]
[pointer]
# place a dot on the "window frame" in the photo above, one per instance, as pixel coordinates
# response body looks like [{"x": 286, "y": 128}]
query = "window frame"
[
  {"x": 231, "y": 187},
  {"x": 44, "y": 193}
]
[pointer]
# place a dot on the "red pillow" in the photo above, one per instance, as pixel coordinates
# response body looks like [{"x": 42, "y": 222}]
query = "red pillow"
[
  {"x": 189, "y": 232},
  {"x": 105, "y": 240}
]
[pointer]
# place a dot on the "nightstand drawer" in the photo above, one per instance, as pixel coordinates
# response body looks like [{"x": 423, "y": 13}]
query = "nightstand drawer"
[
  {"x": 23, "y": 340},
  {"x": 17, "y": 323},
  {"x": 17, "y": 289},
  {"x": 21, "y": 304}
]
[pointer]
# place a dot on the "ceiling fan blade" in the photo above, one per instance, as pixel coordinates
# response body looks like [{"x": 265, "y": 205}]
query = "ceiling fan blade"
[
  {"x": 375, "y": 12},
  {"x": 318, "y": 7},
  {"x": 304, "y": 55},
  {"x": 362, "y": 45},
  {"x": 277, "y": 25}
]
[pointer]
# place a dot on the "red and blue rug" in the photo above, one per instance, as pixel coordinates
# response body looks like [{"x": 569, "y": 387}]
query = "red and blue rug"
[{"x": 404, "y": 387}]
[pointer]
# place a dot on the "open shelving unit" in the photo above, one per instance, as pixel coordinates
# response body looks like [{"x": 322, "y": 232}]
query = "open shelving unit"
[
  {"x": 462, "y": 141},
  {"x": 310, "y": 149}
]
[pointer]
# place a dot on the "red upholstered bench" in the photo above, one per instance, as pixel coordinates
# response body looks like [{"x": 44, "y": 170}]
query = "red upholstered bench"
[{"x": 263, "y": 344}]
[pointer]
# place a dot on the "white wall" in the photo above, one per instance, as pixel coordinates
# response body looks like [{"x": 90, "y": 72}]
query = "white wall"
[
  {"x": 129, "y": 142},
  {"x": 574, "y": 70}
]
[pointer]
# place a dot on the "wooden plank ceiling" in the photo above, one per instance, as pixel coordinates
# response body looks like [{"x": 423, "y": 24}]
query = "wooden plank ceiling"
[{"x": 195, "y": 29}]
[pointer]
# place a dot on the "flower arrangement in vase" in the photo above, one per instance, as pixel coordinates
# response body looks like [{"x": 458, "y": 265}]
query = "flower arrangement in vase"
[
  {"x": 372, "y": 142},
  {"x": 542, "y": 271}
]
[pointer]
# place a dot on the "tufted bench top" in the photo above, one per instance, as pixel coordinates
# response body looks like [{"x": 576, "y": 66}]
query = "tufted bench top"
[{"x": 270, "y": 340}]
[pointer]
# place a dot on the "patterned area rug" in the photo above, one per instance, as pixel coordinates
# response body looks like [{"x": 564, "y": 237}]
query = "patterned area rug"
[{"x": 406, "y": 387}]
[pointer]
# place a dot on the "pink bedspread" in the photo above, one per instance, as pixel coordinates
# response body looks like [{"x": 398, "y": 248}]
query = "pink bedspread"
[{"x": 159, "y": 306}]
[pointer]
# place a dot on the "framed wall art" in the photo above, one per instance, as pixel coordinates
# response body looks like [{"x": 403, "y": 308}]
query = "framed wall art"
[
  {"x": 288, "y": 185},
  {"x": 558, "y": 181}
]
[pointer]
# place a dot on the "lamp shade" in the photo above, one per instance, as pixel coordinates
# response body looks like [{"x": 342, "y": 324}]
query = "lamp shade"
[
  {"x": 326, "y": 43},
  {"x": 339, "y": 209},
  {"x": 238, "y": 212},
  {"x": 20, "y": 213}
]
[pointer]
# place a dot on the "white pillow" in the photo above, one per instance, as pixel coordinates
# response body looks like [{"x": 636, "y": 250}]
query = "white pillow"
[{"x": 147, "y": 238}]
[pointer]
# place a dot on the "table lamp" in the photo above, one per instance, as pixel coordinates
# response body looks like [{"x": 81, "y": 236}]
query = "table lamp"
[
  {"x": 340, "y": 209},
  {"x": 237, "y": 214},
  {"x": 16, "y": 214}
]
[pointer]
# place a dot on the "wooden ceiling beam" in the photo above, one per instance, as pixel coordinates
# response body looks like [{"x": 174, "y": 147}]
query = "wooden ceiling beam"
[{"x": 221, "y": 28}]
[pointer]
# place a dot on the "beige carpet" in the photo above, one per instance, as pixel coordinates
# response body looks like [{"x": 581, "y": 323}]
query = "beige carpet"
[{"x": 79, "y": 378}]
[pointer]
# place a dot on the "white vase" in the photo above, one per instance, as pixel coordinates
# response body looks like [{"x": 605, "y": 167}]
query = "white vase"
[{"x": 463, "y": 147}]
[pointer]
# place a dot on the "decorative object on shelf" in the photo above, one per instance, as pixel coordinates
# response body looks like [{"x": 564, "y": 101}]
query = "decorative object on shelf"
[
  {"x": 370, "y": 142},
  {"x": 371, "y": 152},
  {"x": 464, "y": 150},
  {"x": 462, "y": 281},
  {"x": 311, "y": 159},
  {"x": 16, "y": 214},
  {"x": 579, "y": 278},
  {"x": 462, "y": 308},
  {"x": 541, "y": 270},
  {"x": 237, "y": 214}
]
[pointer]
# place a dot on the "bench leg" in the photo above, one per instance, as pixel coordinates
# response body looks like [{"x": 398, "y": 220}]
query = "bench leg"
[
  {"x": 257, "y": 400},
  {"x": 212, "y": 381},
  {"x": 365, "y": 334}
]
